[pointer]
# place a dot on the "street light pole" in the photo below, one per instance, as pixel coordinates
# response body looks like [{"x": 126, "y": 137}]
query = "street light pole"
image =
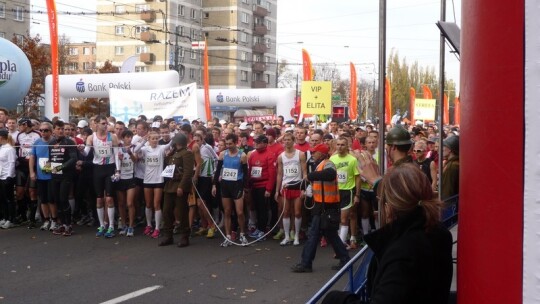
[{"x": 382, "y": 73}]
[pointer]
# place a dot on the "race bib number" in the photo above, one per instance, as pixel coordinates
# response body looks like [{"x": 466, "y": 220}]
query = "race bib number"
[
  {"x": 230, "y": 174},
  {"x": 168, "y": 172},
  {"x": 152, "y": 161},
  {"x": 291, "y": 170},
  {"x": 256, "y": 172},
  {"x": 54, "y": 165},
  {"x": 342, "y": 177},
  {"x": 103, "y": 151}
]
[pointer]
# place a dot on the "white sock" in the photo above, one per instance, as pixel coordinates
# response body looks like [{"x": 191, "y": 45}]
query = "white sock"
[
  {"x": 252, "y": 218},
  {"x": 365, "y": 226},
  {"x": 148, "y": 213},
  {"x": 297, "y": 226},
  {"x": 343, "y": 233},
  {"x": 353, "y": 238},
  {"x": 287, "y": 226},
  {"x": 101, "y": 215},
  {"x": 377, "y": 223},
  {"x": 158, "y": 219},
  {"x": 110, "y": 213},
  {"x": 72, "y": 204}
]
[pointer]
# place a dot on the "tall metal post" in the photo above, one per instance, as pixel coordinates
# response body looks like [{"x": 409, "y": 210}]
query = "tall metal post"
[
  {"x": 176, "y": 65},
  {"x": 382, "y": 74},
  {"x": 441, "y": 94}
]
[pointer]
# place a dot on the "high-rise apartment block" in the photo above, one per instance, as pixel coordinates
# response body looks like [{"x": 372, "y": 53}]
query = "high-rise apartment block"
[
  {"x": 14, "y": 19},
  {"x": 164, "y": 34}
]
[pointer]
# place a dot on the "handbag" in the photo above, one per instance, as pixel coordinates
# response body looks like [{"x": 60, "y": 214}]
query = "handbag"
[{"x": 330, "y": 219}]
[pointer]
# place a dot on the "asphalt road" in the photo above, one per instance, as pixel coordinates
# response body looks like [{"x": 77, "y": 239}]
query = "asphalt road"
[{"x": 39, "y": 267}]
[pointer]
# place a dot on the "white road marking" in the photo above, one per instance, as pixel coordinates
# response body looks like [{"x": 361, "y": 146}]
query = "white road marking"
[{"x": 132, "y": 295}]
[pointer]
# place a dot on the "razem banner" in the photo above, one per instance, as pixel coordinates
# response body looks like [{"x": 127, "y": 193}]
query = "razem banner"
[
  {"x": 424, "y": 109},
  {"x": 169, "y": 102}
]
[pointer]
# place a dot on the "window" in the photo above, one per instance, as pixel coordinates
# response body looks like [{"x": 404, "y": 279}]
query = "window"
[
  {"x": 141, "y": 69},
  {"x": 181, "y": 10},
  {"x": 119, "y": 30},
  {"x": 182, "y": 72},
  {"x": 206, "y": 15},
  {"x": 267, "y": 78},
  {"x": 141, "y": 28},
  {"x": 88, "y": 66},
  {"x": 193, "y": 13},
  {"x": 20, "y": 38},
  {"x": 245, "y": 1},
  {"x": 120, "y": 9},
  {"x": 256, "y": 57},
  {"x": 244, "y": 76},
  {"x": 93, "y": 51},
  {"x": 268, "y": 5},
  {"x": 193, "y": 55},
  {"x": 2, "y": 10},
  {"x": 268, "y": 25},
  {"x": 192, "y": 73},
  {"x": 245, "y": 17},
  {"x": 244, "y": 56},
  {"x": 2, "y": 35},
  {"x": 193, "y": 34},
  {"x": 267, "y": 42},
  {"x": 266, "y": 59},
  {"x": 243, "y": 37},
  {"x": 73, "y": 66},
  {"x": 86, "y": 51},
  {"x": 180, "y": 30},
  {"x": 181, "y": 53},
  {"x": 139, "y": 8},
  {"x": 141, "y": 49},
  {"x": 119, "y": 50},
  {"x": 73, "y": 51},
  {"x": 18, "y": 13}
]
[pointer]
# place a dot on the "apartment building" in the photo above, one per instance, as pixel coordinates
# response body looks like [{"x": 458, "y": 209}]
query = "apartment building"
[
  {"x": 14, "y": 19},
  {"x": 160, "y": 34},
  {"x": 80, "y": 58}
]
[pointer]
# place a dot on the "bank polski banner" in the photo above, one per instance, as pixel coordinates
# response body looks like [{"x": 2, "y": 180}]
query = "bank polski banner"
[{"x": 169, "y": 102}]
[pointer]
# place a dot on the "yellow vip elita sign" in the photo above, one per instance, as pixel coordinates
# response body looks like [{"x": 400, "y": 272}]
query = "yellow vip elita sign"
[
  {"x": 316, "y": 97},
  {"x": 424, "y": 109}
]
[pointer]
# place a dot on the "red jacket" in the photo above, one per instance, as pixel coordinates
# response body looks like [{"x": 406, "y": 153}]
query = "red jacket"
[
  {"x": 275, "y": 149},
  {"x": 262, "y": 170}
]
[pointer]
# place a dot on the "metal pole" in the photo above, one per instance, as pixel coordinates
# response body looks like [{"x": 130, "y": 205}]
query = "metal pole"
[
  {"x": 382, "y": 74},
  {"x": 176, "y": 65},
  {"x": 441, "y": 94}
]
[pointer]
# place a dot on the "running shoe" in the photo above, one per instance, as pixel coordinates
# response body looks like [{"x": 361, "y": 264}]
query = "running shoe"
[
  {"x": 68, "y": 231},
  {"x": 296, "y": 242},
  {"x": 110, "y": 232},
  {"x": 260, "y": 236},
  {"x": 201, "y": 231},
  {"x": 155, "y": 234},
  {"x": 129, "y": 232},
  {"x": 52, "y": 226},
  {"x": 91, "y": 222},
  {"x": 285, "y": 242},
  {"x": 278, "y": 236},
  {"x": 243, "y": 239},
  {"x": 32, "y": 225},
  {"x": 123, "y": 231},
  {"x": 45, "y": 226},
  {"x": 255, "y": 234},
  {"x": 300, "y": 268},
  {"x": 83, "y": 221},
  {"x": 210, "y": 233},
  {"x": 226, "y": 243},
  {"x": 148, "y": 230},
  {"x": 353, "y": 244},
  {"x": 100, "y": 231},
  {"x": 2, "y": 222},
  {"x": 7, "y": 225},
  {"x": 176, "y": 228},
  {"x": 59, "y": 230}
]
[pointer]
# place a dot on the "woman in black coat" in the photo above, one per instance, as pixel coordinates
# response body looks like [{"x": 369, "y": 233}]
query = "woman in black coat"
[{"x": 412, "y": 260}]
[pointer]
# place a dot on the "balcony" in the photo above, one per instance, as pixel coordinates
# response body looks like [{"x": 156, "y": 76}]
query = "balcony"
[
  {"x": 258, "y": 67},
  {"x": 259, "y": 48},
  {"x": 258, "y": 84},
  {"x": 148, "y": 36},
  {"x": 259, "y": 11},
  {"x": 148, "y": 16},
  {"x": 260, "y": 30},
  {"x": 147, "y": 58}
]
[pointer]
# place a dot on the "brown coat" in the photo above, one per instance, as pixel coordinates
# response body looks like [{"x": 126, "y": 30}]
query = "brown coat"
[{"x": 184, "y": 162}]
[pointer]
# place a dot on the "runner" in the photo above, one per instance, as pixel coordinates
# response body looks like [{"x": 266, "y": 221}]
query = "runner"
[
  {"x": 125, "y": 189},
  {"x": 204, "y": 182},
  {"x": 7, "y": 180}
]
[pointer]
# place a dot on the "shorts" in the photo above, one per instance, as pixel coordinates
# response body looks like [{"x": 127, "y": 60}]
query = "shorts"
[
  {"x": 204, "y": 187},
  {"x": 102, "y": 179},
  {"x": 371, "y": 198},
  {"x": 346, "y": 198},
  {"x": 22, "y": 179},
  {"x": 125, "y": 184},
  {"x": 291, "y": 194},
  {"x": 233, "y": 190},
  {"x": 139, "y": 182},
  {"x": 44, "y": 191},
  {"x": 154, "y": 186}
]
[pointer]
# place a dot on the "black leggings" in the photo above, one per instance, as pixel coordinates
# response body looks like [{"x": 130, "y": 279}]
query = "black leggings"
[
  {"x": 261, "y": 207},
  {"x": 60, "y": 189},
  {"x": 7, "y": 199}
]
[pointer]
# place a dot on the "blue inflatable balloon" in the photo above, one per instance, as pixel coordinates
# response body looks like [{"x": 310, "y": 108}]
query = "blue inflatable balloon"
[{"x": 15, "y": 74}]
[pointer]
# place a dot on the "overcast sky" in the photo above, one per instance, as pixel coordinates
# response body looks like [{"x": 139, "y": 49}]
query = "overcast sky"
[{"x": 332, "y": 31}]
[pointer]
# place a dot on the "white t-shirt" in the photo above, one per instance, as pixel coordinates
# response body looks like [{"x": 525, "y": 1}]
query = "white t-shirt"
[
  {"x": 154, "y": 159},
  {"x": 8, "y": 158},
  {"x": 139, "y": 165}
]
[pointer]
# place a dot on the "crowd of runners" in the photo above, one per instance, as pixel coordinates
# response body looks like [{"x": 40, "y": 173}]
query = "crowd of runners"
[{"x": 156, "y": 178}]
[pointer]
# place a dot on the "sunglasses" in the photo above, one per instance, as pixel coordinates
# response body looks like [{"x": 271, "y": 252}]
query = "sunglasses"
[
  {"x": 418, "y": 151},
  {"x": 44, "y": 130}
]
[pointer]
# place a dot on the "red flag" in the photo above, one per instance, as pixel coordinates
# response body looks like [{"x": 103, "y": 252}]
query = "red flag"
[
  {"x": 206, "y": 82},
  {"x": 446, "y": 114},
  {"x": 387, "y": 101},
  {"x": 53, "y": 32},
  {"x": 457, "y": 114},
  {"x": 412, "y": 98},
  {"x": 427, "y": 92},
  {"x": 307, "y": 68},
  {"x": 353, "y": 107}
]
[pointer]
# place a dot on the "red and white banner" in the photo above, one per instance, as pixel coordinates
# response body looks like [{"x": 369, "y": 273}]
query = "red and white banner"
[{"x": 261, "y": 118}]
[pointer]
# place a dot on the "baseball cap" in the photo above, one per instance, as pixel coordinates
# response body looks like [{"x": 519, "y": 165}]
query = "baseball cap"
[
  {"x": 243, "y": 126},
  {"x": 82, "y": 124},
  {"x": 222, "y": 121},
  {"x": 25, "y": 121},
  {"x": 4, "y": 133},
  {"x": 261, "y": 139},
  {"x": 324, "y": 149},
  {"x": 271, "y": 132}
]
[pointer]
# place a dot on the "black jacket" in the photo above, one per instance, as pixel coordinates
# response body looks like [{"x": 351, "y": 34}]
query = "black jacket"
[{"x": 409, "y": 264}]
